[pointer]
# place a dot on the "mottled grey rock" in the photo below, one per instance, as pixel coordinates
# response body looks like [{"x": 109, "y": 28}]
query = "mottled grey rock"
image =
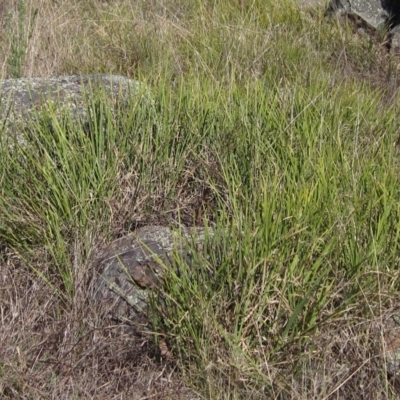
[
  {"x": 395, "y": 42},
  {"x": 22, "y": 99},
  {"x": 391, "y": 334},
  {"x": 370, "y": 11},
  {"x": 313, "y": 3},
  {"x": 131, "y": 266},
  {"x": 372, "y": 15}
]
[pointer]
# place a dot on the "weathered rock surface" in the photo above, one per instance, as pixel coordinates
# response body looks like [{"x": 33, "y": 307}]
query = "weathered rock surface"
[
  {"x": 21, "y": 99},
  {"x": 391, "y": 336},
  {"x": 132, "y": 265},
  {"x": 377, "y": 14},
  {"x": 371, "y": 11},
  {"x": 313, "y": 3},
  {"x": 395, "y": 42}
]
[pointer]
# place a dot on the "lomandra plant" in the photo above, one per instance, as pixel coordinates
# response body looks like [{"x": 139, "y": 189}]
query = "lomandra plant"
[
  {"x": 56, "y": 181},
  {"x": 308, "y": 222}
]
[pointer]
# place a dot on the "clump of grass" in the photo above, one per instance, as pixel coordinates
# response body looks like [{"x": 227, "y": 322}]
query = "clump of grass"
[{"x": 309, "y": 238}]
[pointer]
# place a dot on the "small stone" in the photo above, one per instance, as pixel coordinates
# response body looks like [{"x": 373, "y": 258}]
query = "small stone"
[{"x": 133, "y": 265}]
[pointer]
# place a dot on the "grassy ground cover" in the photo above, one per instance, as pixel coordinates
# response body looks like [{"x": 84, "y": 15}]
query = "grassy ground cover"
[{"x": 270, "y": 123}]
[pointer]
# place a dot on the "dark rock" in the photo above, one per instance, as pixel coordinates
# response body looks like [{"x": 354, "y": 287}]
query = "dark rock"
[{"x": 133, "y": 265}]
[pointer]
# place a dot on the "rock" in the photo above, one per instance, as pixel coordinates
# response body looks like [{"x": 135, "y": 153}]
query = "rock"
[
  {"x": 391, "y": 336},
  {"x": 21, "y": 99},
  {"x": 312, "y": 3},
  {"x": 133, "y": 265},
  {"x": 395, "y": 40},
  {"x": 376, "y": 14},
  {"x": 370, "y": 11}
]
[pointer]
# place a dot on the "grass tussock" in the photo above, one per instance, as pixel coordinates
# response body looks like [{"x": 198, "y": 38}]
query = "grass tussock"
[{"x": 270, "y": 123}]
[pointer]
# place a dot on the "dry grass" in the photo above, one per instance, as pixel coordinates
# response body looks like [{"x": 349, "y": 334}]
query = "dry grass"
[
  {"x": 43, "y": 356},
  {"x": 107, "y": 39}
]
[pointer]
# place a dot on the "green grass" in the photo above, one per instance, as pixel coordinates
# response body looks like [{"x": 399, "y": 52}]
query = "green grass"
[
  {"x": 19, "y": 40},
  {"x": 312, "y": 213},
  {"x": 257, "y": 129}
]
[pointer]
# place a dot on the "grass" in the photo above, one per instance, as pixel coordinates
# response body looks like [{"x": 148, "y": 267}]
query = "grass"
[{"x": 275, "y": 126}]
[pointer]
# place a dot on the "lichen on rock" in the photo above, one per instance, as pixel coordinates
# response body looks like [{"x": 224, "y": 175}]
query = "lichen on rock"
[
  {"x": 23, "y": 99},
  {"x": 133, "y": 265}
]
